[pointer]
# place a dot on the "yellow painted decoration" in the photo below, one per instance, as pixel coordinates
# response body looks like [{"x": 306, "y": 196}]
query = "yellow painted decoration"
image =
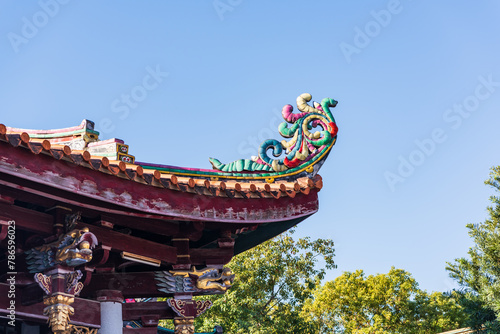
[{"x": 58, "y": 311}]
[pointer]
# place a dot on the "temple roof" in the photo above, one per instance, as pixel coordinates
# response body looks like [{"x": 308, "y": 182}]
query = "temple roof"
[
  {"x": 111, "y": 157},
  {"x": 75, "y": 168}
]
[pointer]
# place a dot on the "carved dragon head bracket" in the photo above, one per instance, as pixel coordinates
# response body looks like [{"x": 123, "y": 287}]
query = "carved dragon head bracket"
[
  {"x": 186, "y": 283},
  {"x": 71, "y": 249},
  {"x": 53, "y": 265},
  {"x": 204, "y": 282}
]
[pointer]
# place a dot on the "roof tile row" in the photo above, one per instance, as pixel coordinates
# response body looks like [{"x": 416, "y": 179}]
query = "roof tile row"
[{"x": 130, "y": 171}]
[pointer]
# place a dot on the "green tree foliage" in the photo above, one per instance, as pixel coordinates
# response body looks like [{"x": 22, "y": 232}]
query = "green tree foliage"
[
  {"x": 273, "y": 281},
  {"x": 380, "y": 304},
  {"x": 479, "y": 275}
]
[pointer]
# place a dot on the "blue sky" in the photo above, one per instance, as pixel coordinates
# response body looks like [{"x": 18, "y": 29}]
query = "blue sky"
[{"x": 418, "y": 85}]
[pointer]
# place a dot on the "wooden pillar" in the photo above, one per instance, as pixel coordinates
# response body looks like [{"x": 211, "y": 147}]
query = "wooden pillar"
[
  {"x": 60, "y": 286},
  {"x": 111, "y": 311},
  {"x": 60, "y": 216},
  {"x": 183, "y": 257}
]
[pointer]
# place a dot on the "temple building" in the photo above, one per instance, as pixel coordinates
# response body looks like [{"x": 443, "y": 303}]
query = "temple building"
[{"x": 84, "y": 226}]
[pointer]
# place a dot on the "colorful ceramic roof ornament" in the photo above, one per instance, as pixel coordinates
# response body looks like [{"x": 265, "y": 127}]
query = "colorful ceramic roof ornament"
[{"x": 303, "y": 151}]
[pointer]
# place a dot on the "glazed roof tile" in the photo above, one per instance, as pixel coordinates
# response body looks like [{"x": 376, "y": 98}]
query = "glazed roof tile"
[{"x": 47, "y": 142}]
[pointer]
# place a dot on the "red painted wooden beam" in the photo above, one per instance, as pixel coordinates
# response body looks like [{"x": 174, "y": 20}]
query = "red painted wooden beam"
[
  {"x": 203, "y": 256},
  {"x": 134, "y": 311},
  {"x": 120, "y": 242},
  {"x": 157, "y": 226},
  {"x": 87, "y": 312},
  {"x": 28, "y": 220}
]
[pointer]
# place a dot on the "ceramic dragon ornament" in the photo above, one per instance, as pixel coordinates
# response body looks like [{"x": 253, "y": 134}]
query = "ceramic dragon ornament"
[{"x": 306, "y": 147}]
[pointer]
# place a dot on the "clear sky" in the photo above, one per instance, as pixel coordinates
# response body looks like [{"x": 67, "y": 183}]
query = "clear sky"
[{"x": 418, "y": 85}]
